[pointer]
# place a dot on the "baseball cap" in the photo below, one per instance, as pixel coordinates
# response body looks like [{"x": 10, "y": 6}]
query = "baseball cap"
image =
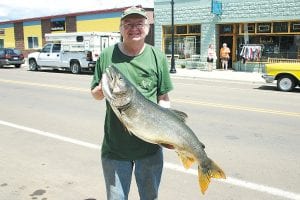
[{"x": 134, "y": 11}]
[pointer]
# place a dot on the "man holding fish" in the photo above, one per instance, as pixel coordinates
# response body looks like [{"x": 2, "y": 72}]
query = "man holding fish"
[
  {"x": 133, "y": 77},
  {"x": 147, "y": 69}
]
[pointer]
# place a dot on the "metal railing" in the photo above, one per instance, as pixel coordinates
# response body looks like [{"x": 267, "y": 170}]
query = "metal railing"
[{"x": 283, "y": 60}]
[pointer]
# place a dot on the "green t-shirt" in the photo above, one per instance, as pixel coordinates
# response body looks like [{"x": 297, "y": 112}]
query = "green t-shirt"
[{"x": 149, "y": 73}]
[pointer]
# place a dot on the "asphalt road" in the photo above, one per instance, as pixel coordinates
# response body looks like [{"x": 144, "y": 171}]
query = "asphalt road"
[{"x": 51, "y": 131}]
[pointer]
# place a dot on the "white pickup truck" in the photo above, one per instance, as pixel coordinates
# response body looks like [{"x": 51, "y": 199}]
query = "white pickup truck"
[
  {"x": 75, "y": 52},
  {"x": 53, "y": 56}
]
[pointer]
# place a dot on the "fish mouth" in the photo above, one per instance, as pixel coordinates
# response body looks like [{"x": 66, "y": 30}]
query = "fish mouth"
[
  {"x": 111, "y": 75},
  {"x": 106, "y": 89},
  {"x": 116, "y": 88},
  {"x": 113, "y": 79},
  {"x": 111, "y": 87}
]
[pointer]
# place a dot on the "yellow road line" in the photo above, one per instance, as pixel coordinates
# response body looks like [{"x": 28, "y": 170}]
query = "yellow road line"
[
  {"x": 185, "y": 101},
  {"x": 44, "y": 85},
  {"x": 244, "y": 108}
]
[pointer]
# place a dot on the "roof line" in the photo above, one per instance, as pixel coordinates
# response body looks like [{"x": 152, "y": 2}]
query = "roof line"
[{"x": 70, "y": 14}]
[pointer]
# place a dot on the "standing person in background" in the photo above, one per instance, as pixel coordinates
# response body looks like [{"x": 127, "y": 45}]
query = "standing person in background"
[
  {"x": 211, "y": 55},
  {"x": 146, "y": 67},
  {"x": 224, "y": 56}
]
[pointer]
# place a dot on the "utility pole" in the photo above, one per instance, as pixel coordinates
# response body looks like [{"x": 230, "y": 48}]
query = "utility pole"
[{"x": 173, "y": 69}]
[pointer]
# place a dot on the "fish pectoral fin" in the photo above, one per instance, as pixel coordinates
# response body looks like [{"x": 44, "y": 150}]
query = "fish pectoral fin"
[
  {"x": 181, "y": 115},
  {"x": 210, "y": 171},
  {"x": 186, "y": 161},
  {"x": 168, "y": 146},
  {"x": 130, "y": 133}
]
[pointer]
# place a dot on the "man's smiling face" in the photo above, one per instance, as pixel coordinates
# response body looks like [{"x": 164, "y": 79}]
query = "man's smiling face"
[{"x": 134, "y": 28}]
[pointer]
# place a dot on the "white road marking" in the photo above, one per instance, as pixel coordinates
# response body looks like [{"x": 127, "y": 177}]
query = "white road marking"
[
  {"x": 240, "y": 183},
  {"x": 50, "y": 135},
  {"x": 167, "y": 165}
]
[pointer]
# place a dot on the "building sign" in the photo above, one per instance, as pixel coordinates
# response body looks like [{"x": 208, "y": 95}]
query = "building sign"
[
  {"x": 216, "y": 7},
  {"x": 58, "y": 24},
  {"x": 2, "y": 31}
]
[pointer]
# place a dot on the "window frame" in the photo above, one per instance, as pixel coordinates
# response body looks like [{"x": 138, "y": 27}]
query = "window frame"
[
  {"x": 33, "y": 42},
  {"x": 181, "y": 39}
]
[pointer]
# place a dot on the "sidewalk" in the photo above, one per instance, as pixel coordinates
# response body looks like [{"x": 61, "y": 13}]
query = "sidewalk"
[{"x": 254, "y": 77}]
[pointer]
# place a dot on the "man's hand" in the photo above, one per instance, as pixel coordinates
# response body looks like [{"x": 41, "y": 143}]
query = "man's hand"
[
  {"x": 97, "y": 92},
  {"x": 164, "y": 101}
]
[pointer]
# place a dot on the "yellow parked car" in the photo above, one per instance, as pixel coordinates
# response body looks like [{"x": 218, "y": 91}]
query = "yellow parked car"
[{"x": 287, "y": 74}]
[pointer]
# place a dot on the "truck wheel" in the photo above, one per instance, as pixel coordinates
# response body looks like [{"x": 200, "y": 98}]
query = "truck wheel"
[
  {"x": 286, "y": 83},
  {"x": 75, "y": 67},
  {"x": 32, "y": 65}
]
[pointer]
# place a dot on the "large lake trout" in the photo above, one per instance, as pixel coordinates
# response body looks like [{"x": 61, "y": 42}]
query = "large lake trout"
[{"x": 155, "y": 124}]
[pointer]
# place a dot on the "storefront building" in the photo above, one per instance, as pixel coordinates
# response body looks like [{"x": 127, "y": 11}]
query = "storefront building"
[
  {"x": 28, "y": 34},
  {"x": 253, "y": 30}
]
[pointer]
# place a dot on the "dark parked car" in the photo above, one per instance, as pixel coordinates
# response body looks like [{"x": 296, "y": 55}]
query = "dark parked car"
[{"x": 11, "y": 56}]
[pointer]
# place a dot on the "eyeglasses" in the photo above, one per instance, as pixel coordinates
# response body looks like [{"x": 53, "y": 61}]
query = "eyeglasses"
[{"x": 131, "y": 26}]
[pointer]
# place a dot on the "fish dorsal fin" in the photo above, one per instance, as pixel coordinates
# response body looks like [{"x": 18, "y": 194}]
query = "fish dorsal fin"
[{"x": 181, "y": 115}]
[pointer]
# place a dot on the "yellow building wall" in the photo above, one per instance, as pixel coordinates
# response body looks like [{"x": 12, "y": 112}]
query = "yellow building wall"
[
  {"x": 33, "y": 31},
  {"x": 8, "y": 37},
  {"x": 101, "y": 25}
]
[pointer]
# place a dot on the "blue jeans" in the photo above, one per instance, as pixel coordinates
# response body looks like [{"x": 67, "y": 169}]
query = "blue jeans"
[{"x": 118, "y": 174}]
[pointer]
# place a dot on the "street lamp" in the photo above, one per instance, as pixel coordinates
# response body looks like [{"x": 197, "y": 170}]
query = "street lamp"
[{"x": 173, "y": 69}]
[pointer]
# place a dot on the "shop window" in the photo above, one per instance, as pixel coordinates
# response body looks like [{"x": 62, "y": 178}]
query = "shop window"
[
  {"x": 227, "y": 28},
  {"x": 184, "y": 46},
  {"x": 295, "y": 26},
  {"x": 167, "y": 30},
  {"x": 281, "y": 46},
  {"x": 280, "y": 27},
  {"x": 186, "y": 40},
  {"x": 248, "y": 28},
  {"x": 1, "y": 43},
  {"x": 32, "y": 42},
  {"x": 181, "y": 29},
  {"x": 195, "y": 28},
  {"x": 264, "y": 28}
]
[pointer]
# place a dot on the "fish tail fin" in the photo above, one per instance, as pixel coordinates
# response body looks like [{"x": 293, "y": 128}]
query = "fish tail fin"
[{"x": 212, "y": 170}]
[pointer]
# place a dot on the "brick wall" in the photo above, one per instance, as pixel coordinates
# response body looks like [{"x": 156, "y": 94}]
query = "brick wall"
[
  {"x": 46, "y": 28},
  {"x": 71, "y": 24},
  {"x": 19, "y": 35}
]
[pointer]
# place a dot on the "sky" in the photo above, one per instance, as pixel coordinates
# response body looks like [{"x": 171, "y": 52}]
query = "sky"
[{"x": 22, "y": 9}]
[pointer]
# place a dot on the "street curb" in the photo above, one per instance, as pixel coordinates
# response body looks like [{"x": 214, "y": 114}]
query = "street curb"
[{"x": 231, "y": 75}]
